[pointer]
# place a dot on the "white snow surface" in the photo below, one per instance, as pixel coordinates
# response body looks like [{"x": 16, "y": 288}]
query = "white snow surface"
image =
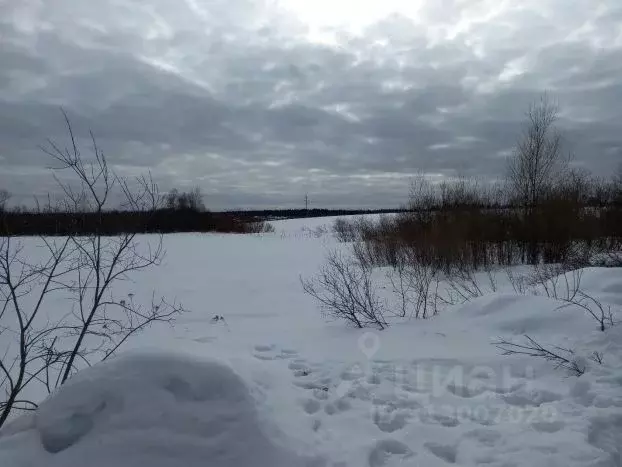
[
  {"x": 156, "y": 410},
  {"x": 277, "y": 384}
]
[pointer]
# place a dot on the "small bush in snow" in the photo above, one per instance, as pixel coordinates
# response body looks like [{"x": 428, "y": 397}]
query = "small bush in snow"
[
  {"x": 411, "y": 281},
  {"x": 463, "y": 285},
  {"x": 344, "y": 230},
  {"x": 558, "y": 281},
  {"x": 563, "y": 358},
  {"x": 595, "y": 308},
  {"x": 260, "y": 227},
  {"x": 345, "y": 290}
]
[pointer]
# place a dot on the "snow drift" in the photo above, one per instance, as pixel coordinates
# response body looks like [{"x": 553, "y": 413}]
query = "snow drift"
[{"x": 146, "y": 410}]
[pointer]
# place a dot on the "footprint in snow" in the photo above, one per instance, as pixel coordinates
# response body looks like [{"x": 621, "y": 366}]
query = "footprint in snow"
[
  {"x": 204, "y": 340},
  {"x": 268, "y": 352},
  {"x": 535, "y": 398},
  {"x": 605, "y": 432},
  {"x": 264, "y": 348},
  {"x": 464, "y": 391},
  {"x": 390, "y": 422},
  {"x": 485, "y": 436},
  {"x": 442, "y": 451},
  {"x": 340, "y": 405},
  {"x": 389, "y": 450},
  {"x": 300, "y": 368},
  {"x": 548, "y": 427},
  {"x": 311, "y": 406},
  {"x": 447, "y": 421}
]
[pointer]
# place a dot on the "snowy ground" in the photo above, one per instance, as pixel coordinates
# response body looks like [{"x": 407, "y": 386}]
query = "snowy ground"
[{"x": 278, "y": 385}]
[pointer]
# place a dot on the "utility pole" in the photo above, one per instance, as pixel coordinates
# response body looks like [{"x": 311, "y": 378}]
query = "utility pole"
[{"x": 306, "y": 201}]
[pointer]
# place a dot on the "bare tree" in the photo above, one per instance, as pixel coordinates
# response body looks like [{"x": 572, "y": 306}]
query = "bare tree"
[
  {"x": 345, "y": 290},
  {"x": 423, "y": 196},
  {"x": 4, "y": 197},
  {"x": 189, "y": 200},
  {"x": 616, "y": 186},
  {"x": 576, "y": 186},
  {"x": 171, "y": 199},
  {"x": 42, "y": 347},
  {"x": 538, "y": 157}
]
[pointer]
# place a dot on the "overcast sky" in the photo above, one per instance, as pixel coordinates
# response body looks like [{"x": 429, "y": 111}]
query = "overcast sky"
[{"x": 257, "y": 102}]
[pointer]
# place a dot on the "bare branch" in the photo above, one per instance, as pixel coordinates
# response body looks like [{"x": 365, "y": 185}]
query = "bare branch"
[
  {"x": 345, "y": 290},
  {"x": 563, "y": 358},
  {"x": 83, "y": 268}
]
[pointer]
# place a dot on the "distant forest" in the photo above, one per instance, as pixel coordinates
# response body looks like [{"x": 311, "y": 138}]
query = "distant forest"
[
  {"x": 165, "y": 220},
  {"x": 177, "y": 212},
  {"x": 274, "y": 214}
]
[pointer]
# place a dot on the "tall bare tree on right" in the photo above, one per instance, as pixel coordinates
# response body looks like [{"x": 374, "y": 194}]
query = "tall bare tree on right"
[{"x": 538, "y": 159}]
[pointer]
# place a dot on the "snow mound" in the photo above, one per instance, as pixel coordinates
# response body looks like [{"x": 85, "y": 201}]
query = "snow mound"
[
  {"x": 521, "y": 314},
  {"x": 606, "y": 283},
  {"x": 156, "y": 410}
]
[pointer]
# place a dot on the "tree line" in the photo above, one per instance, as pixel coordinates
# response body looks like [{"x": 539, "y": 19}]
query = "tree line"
[
  {"x": 176, "y": 211},
  {"x": 545, "y": 210}
]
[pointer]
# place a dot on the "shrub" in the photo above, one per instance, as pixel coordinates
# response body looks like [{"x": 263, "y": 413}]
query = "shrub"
[
  {"x": 48, "y": 349},
  {"x": 345, "y": 290},
  {"x": 411, "y": 281},
  {"x": 561, "y": 357},
  {"x": 344, "y": 230}
]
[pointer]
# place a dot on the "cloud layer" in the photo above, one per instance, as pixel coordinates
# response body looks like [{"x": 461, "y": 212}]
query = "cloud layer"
[{"x": 258, "y": 102}]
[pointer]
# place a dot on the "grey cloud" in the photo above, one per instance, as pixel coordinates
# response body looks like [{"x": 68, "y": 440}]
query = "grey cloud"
[{"x": 232, "y": 96}]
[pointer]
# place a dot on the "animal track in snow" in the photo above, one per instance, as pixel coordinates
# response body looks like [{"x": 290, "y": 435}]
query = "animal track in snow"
[{"x": 398, "y": 401}]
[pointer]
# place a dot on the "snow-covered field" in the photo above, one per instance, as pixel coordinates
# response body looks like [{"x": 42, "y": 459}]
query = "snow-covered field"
[{"x": 275, "y": 384}]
